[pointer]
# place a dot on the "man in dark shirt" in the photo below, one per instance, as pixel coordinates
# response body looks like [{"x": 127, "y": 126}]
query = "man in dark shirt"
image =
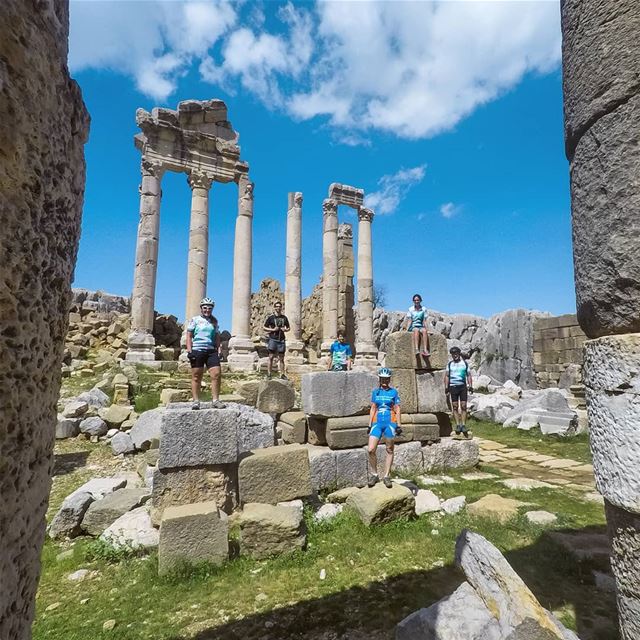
[{"x": 276, "y": 326}]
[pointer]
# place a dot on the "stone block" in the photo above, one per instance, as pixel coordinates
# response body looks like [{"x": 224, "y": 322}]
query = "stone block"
[
  {"x": 132, "y": 530},
  {"x": 404, "y": 380},
  {"x": 66, "y": 522},
  {"x": 449, "y": 454},
  {"x": 430, "y": 392},
  {"x": 275, "y": 396},
  {"x": 175, "y": 487},
  {"x": 347, "y": 433},
  {"x": 147, "y": 428},
  {"x": 293, "y": 426},
  {"x": 316, "y": 430},
  {"x": 174, "y": 395},
  {"x": 67, "y": 428},
  {"x": 105, "y": 512},
  {"x": 351, "y": 468},
  {"x": 268, "y": 530},
  {"x": 249, "y": 390},
  {"x": 335, "y": 394},
  {"x": 122, "y": 443},
  {"x": 100, "y": 487},
  {"x": 255, "y": 430},
  {"x": 323, "y": 464},
  {"x": 379, "y": 504},
  {"x": 612, "y": 387},
  {"x": 192, "y": 534},
  {"x": 75, "y": 409},
  {"x": 408, "y": 457},
  {"x": 400, "y": 353},
  {"x": 115, "y": 415},
  {"x": 276, "y": 474},
  {"x": 198, "y": 438}
]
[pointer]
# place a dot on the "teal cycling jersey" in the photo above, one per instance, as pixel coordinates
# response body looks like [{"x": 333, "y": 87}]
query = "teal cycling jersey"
[
  {"x": 340, "y": 353},
  {"x": 457, "y": 373},
  {"x": 385, "y": 400},
  {"x": 418, "y": 317},
  {"x": 204, "y": 333}
]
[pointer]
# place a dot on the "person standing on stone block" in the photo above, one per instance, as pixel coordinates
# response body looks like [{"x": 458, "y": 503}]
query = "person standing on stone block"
[
  {"x": 276, "y": 327},
  {"x": 416, "y": 322},
  {"x": 457, "y": 385},
  {"x": 384, "y": 422},
  {"x": 340, "y": 354},
  {"x": 203, "y": 350}
]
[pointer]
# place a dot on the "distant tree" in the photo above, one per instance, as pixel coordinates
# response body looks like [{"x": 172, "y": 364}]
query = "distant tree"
[{"x": 379, "y": 295}]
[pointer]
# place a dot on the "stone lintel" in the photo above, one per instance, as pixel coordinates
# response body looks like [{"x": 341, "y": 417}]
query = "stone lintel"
[{"x": 347, "y": 195}]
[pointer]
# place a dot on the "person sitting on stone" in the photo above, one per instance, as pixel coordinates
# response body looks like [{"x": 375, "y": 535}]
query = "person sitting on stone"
[
  {"x": 203, "y": 350},
  {"x": 416, "y": 322},
  {"x": 458, "y": 384},
  {"x": 384, "y": 422},
  {"x": 276, "y": 325},
  {"x": 340, "y": 354}
]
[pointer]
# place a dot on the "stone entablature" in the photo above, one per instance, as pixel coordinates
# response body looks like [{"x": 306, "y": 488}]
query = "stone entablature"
[{"x": 557, "y": 349}]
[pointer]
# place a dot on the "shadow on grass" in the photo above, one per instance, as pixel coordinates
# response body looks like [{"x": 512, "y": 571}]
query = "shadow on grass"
[
  {"x": 559, "y": 581},
  {"x": 64, "y": 463}
]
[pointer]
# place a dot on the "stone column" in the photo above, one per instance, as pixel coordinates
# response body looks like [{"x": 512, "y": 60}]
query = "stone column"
[
  {"x": 242, "y": 355},
  {"x": 346, "y": 272},
  {"x": 601, "y": 58},
  {"x": 141, "y": 343},
  {"x": 198, "y": 243},
  {"x": 329, "y": 274},
  {"x": 366, "y": 351},
  {"x": 292, "y": 281}
]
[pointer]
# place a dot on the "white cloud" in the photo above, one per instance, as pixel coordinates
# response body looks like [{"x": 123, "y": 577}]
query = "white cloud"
[
  {"x": 393, "y": 188},
  {"x": 413, "y": 69},
  {"x": 448, "y": 209},
  {"x": 153, "y": 42}
]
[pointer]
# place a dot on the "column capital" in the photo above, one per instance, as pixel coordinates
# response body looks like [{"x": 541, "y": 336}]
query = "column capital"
[
  {"x": 151, "y": 168},
  {"x": 245, "y": 197},
  {"x": 365, "y": 214},
  {"x": 329, "y": 207},
  {"x": 297, "y": 199},
  {"x": 199, "y": 180}
]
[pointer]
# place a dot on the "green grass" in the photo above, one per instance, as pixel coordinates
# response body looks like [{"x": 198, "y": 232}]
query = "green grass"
[
  {"x": 576, "y": 447},
  {"x": 374, "y": 578}
]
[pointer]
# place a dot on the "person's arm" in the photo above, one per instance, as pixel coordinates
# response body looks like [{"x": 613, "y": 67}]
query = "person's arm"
[
  {"x": 286, "y": 327},
  {"x": 407, "y": 321},
  {"x": 372, "y": 415},
  {"x": 396, "y": 408},
  {"x": 218, "y": 341},
  {"x": 269, "y": 328},
  {"x": 446, "y": 380},
  {"x": 349, "y": 358},
  {"x": 469, "y": 380},
  {"x": 330, "y": 358},
  {"x": 189, "y": 341}
]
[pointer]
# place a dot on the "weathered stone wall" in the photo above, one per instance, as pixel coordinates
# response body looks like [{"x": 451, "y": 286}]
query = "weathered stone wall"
[
  {"x": 262, "y": 302},
  {"x": 601, "y": 59},
  {"x": 557, "y": 351},
  {"x": 43, "y": 129}
]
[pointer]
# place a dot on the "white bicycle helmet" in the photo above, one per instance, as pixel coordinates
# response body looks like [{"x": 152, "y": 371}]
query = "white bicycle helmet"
[
  {"x": 206, "y": 302},
  {"x": 384, "y": 372}
]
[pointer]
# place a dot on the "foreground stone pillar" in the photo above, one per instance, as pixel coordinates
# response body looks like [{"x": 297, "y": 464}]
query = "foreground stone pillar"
[
  {"x": 198, "y": 244},
  {"x": 366, "y": 351},
  {"x": 242, "y": 355},
  {"x": 292, "y": 281},
  {"x": 141, "y": 343},
  {"x": 601, "y": 58},
  {"x": 43, "y": 129},
  {"x": 329, "y": 274}
]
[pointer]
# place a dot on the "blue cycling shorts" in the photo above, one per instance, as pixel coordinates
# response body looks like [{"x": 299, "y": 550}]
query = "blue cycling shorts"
[{"x": 383, "y": 430}]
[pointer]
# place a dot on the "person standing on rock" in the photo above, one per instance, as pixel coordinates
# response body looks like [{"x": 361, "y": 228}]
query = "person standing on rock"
[
  {"x": 384, "y": 422},
  {"x": 203, "y": 350},
  {"x": 457, "y": 385},
  {"x": 340, "y": 354},
  {"x": 276, "y": 325},
  {"x": 416, "y": 322}
]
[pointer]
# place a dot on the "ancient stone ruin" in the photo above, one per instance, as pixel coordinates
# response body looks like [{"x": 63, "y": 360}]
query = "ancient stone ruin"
[
  {"x": 42, "y": 135},
  {"x": 601, "y": 58},
  {"x": 196, "y": 139}
]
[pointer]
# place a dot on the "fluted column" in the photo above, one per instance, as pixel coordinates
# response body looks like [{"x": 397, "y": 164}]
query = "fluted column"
[
  {"x": 198, "y": 243},
  {"x": 329, "y": 273},
  {"x": 366, "y": 351},
  {"x": 242, "y": 355},
  {"x": 141, "y": 343},
  {"x": 292, "y": 283}
]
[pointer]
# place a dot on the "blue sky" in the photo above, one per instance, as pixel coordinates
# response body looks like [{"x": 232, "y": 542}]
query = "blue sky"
[{"x": 449, "y": 116}]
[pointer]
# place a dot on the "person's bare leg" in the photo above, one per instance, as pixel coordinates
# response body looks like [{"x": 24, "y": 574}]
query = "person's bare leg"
[
  {"x": 373, "y": 459},
  {"x": 463, "y": 413},
  {"x": 389, "y": 458},
  {"x": 416, "y": 340},
  {"x": 270, "y": 364},
  {"x": 216, "y": 376},
  {"x": 281, "y": 358},
  {"x": 425, "y": 341},
  {"x": 196, "y": 380}
]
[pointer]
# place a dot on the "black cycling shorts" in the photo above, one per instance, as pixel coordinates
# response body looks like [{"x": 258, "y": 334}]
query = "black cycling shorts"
[
  {"x": 459, "y": 392},
  {"x": 200, "y": 359}
]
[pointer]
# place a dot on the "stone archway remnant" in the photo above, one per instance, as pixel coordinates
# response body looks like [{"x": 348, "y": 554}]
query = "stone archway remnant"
[
  {"x": 196, "y": 139},
  {"x": 341, "y": 194},
  {"x": 43, "y": 130},
  {"x": 601, "y": 59}
]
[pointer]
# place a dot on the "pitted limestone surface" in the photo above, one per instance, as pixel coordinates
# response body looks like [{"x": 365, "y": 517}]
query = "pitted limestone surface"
[{"x": 42, "y": 134}]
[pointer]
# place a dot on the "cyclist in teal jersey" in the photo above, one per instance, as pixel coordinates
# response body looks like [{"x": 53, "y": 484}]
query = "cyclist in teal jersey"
[
  {"x": 416, "y": 322},
  {"x": 458, "y": 384},
  {"x": 340, "y": 354},
  {"x": 384, "y": 422}
]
